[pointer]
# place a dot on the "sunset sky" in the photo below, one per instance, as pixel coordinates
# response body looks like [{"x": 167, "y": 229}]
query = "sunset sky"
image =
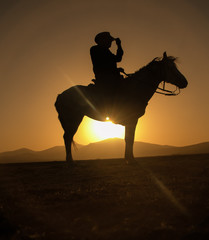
[{"x": 44, "y": 49}]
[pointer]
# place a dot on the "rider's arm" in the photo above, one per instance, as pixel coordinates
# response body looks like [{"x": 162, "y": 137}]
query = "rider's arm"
[{"x": 119, "y": 54}]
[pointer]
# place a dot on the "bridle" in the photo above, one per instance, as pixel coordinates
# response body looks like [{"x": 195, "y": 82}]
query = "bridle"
[
  {"x": 162, "y": 91},
  {"x": 166, "y": 92}
]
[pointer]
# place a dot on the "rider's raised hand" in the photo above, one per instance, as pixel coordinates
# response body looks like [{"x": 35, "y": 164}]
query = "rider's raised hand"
[{"x": 118, "y": 41}]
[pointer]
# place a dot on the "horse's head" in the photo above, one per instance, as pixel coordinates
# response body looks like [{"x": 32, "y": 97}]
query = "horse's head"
[{"x": 171, "y": 73}]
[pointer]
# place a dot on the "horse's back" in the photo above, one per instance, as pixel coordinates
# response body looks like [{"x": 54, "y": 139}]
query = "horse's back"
[
  {"x": 72, "y": 98},
  {"x": 97, "y": 103}
]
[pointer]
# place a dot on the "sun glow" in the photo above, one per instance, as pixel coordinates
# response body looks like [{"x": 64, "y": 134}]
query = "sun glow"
[
  {"x": 104, "y": 130},
  {"x": 93, "y": 131}
]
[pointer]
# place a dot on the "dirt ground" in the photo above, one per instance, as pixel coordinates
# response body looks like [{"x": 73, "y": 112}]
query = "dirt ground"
[{"x": 157, "y": 198}]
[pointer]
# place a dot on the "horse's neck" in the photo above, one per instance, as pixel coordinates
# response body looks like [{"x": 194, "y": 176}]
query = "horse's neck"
[{"x": 146, "y": 84}]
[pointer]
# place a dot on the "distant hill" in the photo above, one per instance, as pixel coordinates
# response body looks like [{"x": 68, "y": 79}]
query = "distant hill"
[
  {"x": 110, "y": 148},
  {"x": 27, "y": 155},
  {"x": 114, "y": 148}
]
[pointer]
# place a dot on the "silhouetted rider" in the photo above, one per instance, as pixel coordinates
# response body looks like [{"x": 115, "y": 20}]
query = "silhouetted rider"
[{"x": 105, "y": 62}]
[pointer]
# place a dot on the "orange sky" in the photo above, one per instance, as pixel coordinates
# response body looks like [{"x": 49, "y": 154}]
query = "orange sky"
[{"x": 44, "y": 49}]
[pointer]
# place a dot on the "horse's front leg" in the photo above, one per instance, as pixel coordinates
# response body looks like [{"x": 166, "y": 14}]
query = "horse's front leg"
[{"x": 129, "y": 140}]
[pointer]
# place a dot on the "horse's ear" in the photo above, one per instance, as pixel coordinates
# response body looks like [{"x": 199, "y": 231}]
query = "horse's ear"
[{"x": 165, "y": 55}]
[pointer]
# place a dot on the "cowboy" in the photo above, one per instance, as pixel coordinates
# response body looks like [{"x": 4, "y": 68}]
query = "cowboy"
[{"x": 105, "y": 62}]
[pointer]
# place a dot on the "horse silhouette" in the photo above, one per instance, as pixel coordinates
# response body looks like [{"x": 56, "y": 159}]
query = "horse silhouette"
[{"x": 128, "y": 104}]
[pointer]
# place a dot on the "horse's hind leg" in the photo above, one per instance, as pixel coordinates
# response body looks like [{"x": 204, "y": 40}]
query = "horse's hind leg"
[{"x": 70, "y": 126}]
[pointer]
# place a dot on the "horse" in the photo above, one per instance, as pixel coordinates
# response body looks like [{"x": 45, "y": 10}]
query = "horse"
[{"x": 126, "y": 107}]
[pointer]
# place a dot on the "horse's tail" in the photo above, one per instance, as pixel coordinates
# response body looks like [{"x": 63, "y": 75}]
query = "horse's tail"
[{"x": 73, "y": 143}]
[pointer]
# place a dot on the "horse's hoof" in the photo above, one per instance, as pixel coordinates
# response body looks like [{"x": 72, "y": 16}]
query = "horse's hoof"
[
  {"x": 70, "y": 163},
  {"x": 131, "y": 162}
]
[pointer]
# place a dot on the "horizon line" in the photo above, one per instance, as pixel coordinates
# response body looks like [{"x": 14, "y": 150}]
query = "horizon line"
[{"x": 26, "y": 148}]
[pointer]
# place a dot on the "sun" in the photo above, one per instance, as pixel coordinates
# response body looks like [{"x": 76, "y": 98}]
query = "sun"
[{"x": 105, "y": 130}]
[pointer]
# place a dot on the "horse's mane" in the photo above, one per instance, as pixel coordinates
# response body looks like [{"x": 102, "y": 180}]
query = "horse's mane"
[{"x": 155, "y": 60}]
